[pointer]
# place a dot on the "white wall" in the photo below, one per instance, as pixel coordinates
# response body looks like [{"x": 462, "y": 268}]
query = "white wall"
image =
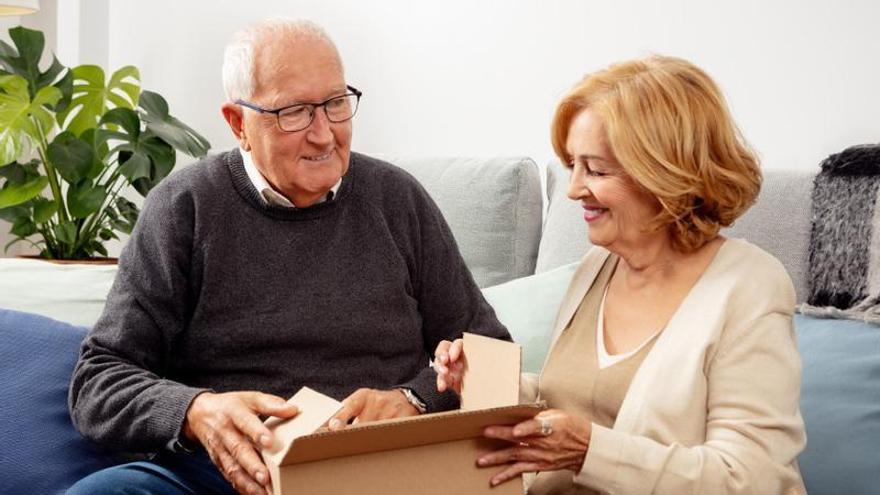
[
  {"x": 478, "y": 77},
  {"x": 481, "y": 77}
]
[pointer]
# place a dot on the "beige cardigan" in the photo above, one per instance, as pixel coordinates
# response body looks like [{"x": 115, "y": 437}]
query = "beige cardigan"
[{"x": 714, "y": 407}]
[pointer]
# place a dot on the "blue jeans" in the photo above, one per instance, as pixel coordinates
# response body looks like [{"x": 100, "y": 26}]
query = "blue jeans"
[{"x": 167, "y": 474}]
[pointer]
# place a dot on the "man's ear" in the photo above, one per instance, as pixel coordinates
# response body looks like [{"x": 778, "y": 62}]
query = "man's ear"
[{"x": 232, "y": 113}]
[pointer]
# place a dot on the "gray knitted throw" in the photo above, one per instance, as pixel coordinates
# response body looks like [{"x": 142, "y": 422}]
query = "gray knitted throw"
[{"x": 844, "y": 271}]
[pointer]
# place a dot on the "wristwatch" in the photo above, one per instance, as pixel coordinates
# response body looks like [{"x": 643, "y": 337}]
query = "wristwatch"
[
  {"x": 414, "y": 400},
  {"x": 183, "y": 445}
]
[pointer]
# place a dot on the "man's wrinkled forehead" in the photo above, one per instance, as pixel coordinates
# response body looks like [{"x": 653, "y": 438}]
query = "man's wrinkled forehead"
[
  {"x": 282, "y": 48},
  {"x": 286, "y": 60}
]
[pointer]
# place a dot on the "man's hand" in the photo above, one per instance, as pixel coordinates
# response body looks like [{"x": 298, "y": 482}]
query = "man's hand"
[
  {"x": 229, "y": 428},
  {"x": 370, "y": 405}
]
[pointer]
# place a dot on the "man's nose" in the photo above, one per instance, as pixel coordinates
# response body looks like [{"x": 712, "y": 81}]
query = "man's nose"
[{"x": 319, "y": 131}]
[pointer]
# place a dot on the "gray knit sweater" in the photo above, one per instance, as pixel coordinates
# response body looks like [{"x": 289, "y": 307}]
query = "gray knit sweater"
[{"x": 217, "y": 290}]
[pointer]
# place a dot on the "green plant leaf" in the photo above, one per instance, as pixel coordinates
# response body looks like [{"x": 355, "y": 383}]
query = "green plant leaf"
[
  {"x": 127, "y": 209},
  {"x": 24, "y": 61},
  {"x": 44, "y": 209},
  {"x": 72, "y": 157},
  {"x": 46, "y": 97},
  {"x": 13, "y": 213},
  {"x": 65, "y": 85},
  {"x": 23, "y": 227},
  {"x": 15, "y": 127},
  {"x": 96, "y": 247},
  {"x": 19, "y": 173},
  {"x": 30, "y": 47},
  {"x": 25, "y": 57},
  {"x": 51, "y": 75},
  {"x": 107, "y": 234},
  {"x": 6, "y": 50},
  {"x": 100, "y": 150},
  {"x": 15, "y": 194},
  {"x": 65, "y": 233},
  {"x": 125, "y": 118},
  {"x": 83, "y": 199},
  {"x": 162, "y": 156},
  {"x": 119, "y": 80},
  {"x": 145, "y": 159},
  {"x": 92, "y": 98},
  {"x": 173, "y": 131},
  {"x": 18, "y": 114},
  {"x": 135, "y": 166}
]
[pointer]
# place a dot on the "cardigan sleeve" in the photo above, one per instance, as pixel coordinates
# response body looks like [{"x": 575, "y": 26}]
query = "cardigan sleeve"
[{"x": 754, "y": 430}]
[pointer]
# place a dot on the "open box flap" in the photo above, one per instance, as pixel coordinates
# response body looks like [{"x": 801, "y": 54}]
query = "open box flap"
[
  {"x": 491, "y": 373},
  {"x": 315, "y": 410},
  {"x": 402, "y": 433}
]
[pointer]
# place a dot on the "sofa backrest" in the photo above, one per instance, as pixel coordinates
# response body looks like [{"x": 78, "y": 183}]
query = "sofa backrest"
[
  {"x": 493, "y": 207},
  {"x": 779, "y": 223}
]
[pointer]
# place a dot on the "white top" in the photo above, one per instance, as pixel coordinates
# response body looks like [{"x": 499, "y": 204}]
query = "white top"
[
  {"x": 606, "y": 359},
  {"x": 267, "y": 192}
]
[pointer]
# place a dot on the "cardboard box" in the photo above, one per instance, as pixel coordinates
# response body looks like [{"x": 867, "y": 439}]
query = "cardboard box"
[{"x": 427, "y": 454}]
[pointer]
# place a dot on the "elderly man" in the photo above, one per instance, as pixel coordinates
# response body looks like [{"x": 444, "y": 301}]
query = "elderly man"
[{"x": 290, "y": 262}]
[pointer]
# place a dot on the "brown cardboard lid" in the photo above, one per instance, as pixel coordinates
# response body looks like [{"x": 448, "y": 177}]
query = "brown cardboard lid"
[
  {"x": 401, "y": 433},
  {"x": 315, "y": 409},
  {"x": 491, "y": 373}
]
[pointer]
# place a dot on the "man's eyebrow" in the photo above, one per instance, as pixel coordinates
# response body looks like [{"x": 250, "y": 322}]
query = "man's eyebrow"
[{"x": 330, "y": 94}]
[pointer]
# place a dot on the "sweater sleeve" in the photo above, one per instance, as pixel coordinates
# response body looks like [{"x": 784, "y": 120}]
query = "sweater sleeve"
[
  {"x": 118, "y": 395},
  {"x": 449, "y": 300},
  {"x": 754, "y": 430}
]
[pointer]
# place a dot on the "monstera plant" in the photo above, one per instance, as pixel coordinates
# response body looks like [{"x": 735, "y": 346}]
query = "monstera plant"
[{"x": 71, "y": 141}]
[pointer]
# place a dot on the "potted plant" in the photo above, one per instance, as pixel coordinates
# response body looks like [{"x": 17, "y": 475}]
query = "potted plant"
[{"x": 70, "y": 142}]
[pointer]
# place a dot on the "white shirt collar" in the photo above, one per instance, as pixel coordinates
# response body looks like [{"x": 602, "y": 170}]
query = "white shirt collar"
[{"x": 267, "y": 193}]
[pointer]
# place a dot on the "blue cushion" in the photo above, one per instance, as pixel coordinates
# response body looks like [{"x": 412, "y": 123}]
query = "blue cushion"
[
  {"x": 527, "y": 306},
  {"x": 40, "y": 451},
  {"x": 840, "y": 402}
]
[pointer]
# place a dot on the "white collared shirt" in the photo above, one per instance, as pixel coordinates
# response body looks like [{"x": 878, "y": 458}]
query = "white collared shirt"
[{"x": 268, "y": 194}]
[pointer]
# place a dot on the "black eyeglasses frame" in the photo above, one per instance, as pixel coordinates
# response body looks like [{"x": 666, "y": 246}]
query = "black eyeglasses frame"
[{"x": 314, "y": 108}]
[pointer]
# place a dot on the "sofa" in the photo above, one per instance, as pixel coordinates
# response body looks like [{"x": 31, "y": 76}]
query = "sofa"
[{"x": 521, "y": 238}]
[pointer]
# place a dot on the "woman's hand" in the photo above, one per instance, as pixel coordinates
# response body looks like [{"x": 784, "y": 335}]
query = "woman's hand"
[
  {"x": 449, "y": 365},
  {"x": 551, "y": 441}
]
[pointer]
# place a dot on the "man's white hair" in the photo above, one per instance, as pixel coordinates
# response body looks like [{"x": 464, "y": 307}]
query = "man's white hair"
[{"x": 238, "y": 58}]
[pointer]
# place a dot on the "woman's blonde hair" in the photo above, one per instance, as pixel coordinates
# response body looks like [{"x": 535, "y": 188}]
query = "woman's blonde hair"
[{"x": 669, "y": 127}]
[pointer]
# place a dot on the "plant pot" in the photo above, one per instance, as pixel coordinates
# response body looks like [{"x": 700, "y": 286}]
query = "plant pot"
[
  {"x": 70, "y": 291},
  {"x": 90, "y": 261}
]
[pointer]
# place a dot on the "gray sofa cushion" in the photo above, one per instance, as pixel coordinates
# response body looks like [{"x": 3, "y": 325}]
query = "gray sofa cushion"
[
  {"x": 565, "y": 231},
  {"x": 779, "y": 223},
  {"x": 493, "y": 207}
]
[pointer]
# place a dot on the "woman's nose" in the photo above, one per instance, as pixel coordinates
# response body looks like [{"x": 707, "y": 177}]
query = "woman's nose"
[{"x": 577, "y": 186}]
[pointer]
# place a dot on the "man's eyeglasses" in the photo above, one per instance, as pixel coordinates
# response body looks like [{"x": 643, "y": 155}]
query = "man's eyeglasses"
[{"x": 297, "y": 117}]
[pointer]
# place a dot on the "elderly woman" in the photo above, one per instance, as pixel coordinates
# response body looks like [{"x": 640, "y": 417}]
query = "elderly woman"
[{"x": 673, "y": 367}]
